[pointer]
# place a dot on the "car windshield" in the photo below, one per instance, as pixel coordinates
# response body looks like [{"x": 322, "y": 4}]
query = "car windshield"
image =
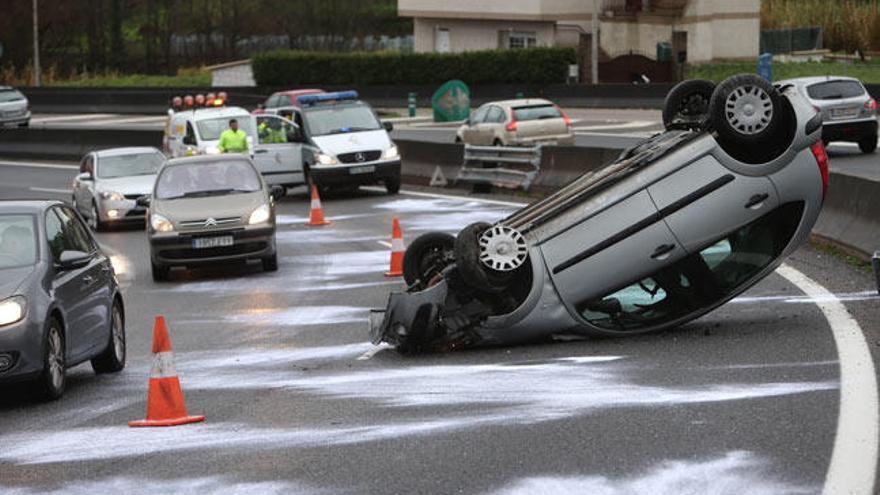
[
  {"x": 7, "y": 95},
  {"x": 207, "y": 179},
  {"x": 835, "y": 90},
  {"x": 341, "y": 119},
  {"x": 536, "y": 112},
  {"x": 110, "y": 167},
  {"x": 18, "y": 242},
  {"x": 210, "y": 129}
]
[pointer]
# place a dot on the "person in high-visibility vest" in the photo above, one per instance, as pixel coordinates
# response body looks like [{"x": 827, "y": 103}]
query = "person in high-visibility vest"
[{"x": 233, "y": 140}]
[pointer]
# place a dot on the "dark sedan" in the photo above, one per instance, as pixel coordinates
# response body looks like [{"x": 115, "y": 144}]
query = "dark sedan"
[{"x": 60, "y": 303}]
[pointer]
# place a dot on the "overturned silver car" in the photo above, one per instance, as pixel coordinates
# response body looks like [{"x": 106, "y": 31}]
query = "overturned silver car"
[{"x": 677, "y": 226}]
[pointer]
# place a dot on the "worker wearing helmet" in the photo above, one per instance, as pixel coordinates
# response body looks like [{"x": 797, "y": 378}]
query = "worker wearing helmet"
[{"x": 233, "y": 140}]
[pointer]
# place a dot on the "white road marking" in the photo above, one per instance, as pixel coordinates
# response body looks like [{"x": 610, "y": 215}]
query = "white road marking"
[
  {"x": 372, "y": 352},
  {"x": 50, "y": 190},
  {"x": 853, "y": 465},
  {"x": 4, "y": 163},
  {"x": 62, "y": 118},
  {"x": 385, "y": 243},
  {"x": 620, "y": 125}
]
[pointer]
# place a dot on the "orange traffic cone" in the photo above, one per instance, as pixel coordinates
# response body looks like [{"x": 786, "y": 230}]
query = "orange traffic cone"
[
  {"x": 316, "y": 217},
  {"x": 397, "y": 250},
  {"x": 165, "y": 405}
]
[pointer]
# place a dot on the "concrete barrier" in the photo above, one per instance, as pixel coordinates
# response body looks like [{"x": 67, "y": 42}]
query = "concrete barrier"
[
  {"x": 850, "y": 217},
  {"x": 66, "y": 144}
]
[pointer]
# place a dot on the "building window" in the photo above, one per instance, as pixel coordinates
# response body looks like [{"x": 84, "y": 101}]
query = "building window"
[{"x": 515, "y": 39}]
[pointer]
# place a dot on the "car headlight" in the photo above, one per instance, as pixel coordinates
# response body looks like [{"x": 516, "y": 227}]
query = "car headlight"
[
  {"x": 260, "y": 215},
  {"x": 12, "y": 310},
  {"x": 113, "y": 196},
  {"x": 160, "y": 223},
  {"x": 391, "y": 153},
  {"x": 324, "y": 159},
  {"x": 212, "y": 150}
]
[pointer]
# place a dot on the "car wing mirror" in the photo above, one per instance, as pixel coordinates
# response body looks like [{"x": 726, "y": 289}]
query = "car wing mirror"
[
  {"x": 388, "y": 126},
  {"x": 143, "y": 201},
  {"x": 277, "y": 192},
  {"x": 70, "y": 260},
  {"x": 85, "y": 176}
]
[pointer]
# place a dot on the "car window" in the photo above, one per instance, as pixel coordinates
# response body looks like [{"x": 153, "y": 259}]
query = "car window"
[
  {"x": 322, "y": 121},
  {"x": 86, "y": 165},
  {"x": 272, "y": 102},
  {"x": 536, "y": 112},
  {"x": 273, "y": 130},
  {"x": 18, "y": 241},
  {"x": 76, "y": 235},
  {"x": 286, "y": 101},
  {"x": 7, "y": 95},
  {"x": 110, "y": 167},
  {"x": 480, "y": 115},
  {"x": 190, "y": 133},
  {"x": 697, "y": 281},
  {"x": 496, "y": 114},
  {"x": 835, "y": 90},
  {"x": 210, "y": 129},
  {"x": 206, "y": 179}
]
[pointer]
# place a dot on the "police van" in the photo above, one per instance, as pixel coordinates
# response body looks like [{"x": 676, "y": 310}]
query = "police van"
[
  {"x": 274, "y": 143},
  {"x": 346, "y": 145}
]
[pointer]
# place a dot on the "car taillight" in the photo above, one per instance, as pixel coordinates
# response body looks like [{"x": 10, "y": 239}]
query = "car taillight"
[
  {"x": 511, "y": 126},
  {"x": 564, "y": 117},
  {"x": 871, "y": 105},
  {"x": 818, "y": 150}
]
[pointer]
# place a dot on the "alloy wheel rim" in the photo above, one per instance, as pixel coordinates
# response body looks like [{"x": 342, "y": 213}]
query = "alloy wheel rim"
[
  {"x": 118, "y": 336},
  {"x": 749, "y": 109},
  {"x": 56, "y": 359}
]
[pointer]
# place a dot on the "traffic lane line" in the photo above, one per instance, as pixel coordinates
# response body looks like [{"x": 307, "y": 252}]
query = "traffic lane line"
[
  {"x": 51, "y": 190},
  {"x": 67, "y": 118},
  {"x": 46, "y": 165}
]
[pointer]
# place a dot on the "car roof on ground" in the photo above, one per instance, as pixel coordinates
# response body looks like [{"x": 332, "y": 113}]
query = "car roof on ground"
[
  {"x": 131, "y": 150},
  {"x": 816, "y": 79},
  {"x": 206, "y": 159},
  {"x": 26, "y": 206}
]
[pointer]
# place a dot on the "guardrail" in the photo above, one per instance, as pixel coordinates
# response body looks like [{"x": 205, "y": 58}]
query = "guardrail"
[
  {"x": 67, "y": 144},
  {"x": 503, "y": 166}
]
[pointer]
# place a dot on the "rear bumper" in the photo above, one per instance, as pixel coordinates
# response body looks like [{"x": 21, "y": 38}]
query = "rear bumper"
[
  {"x": 249, "y": 243},
  {"x": 350, "y": 174},
  {"x": 849, "y": 130}
]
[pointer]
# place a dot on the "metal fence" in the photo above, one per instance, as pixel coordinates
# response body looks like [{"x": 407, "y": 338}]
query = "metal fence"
[{"x": 777, "y": 41}]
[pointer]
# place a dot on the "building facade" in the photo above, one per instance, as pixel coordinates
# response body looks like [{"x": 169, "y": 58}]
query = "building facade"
[{"x": 704, "y": 30}]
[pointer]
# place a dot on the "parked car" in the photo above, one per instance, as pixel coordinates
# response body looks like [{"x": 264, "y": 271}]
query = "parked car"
[
  {"x": 523, "y": 122},
  {"x": 210, "y": 210},
  {"x": 346, "y": 145},
  {"x": 110, "y": 181},
  {"x": 849, "y": 113},
  {"x": 14, "y": 108},
  {"x": 674, "y": 228},
  {"x": 197, "y": 132},
  {"x": 283, "y": 99},
  {"x": 60, "y": 303}
]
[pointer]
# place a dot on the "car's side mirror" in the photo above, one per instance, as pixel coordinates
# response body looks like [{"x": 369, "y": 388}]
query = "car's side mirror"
[
  {"x": 85, "y": 176},
  {"x": 143, "y": 201},
  {"x": 388, "y": 126},
  {"x": 71, "y": 260},
  {"x": 277, "y": 192}
]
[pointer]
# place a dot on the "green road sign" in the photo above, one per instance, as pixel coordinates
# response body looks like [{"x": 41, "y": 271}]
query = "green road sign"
[{"x": 451, "y": 102}]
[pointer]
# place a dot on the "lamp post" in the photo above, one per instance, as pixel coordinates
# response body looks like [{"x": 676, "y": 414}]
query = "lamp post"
[
  {"x": 594, "y": 43},
  {"x": 36, "y": 47}
]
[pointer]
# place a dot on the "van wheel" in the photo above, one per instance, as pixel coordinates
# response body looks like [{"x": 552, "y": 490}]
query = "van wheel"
[
  {"x": 687, "y": 105},
  {"x": 392, "y": 184},
  {"x": 52, "y": 380},
  {"x": 746, "y": 110},
  {"x": 868, "y": 144},
  {"x": 427, "y": 256},
  {"x": 160, "y": 273},
  {"x": 270, "y": 264}
]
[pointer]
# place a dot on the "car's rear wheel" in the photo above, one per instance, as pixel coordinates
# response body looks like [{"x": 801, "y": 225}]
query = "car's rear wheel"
[
  {"x": 427, "y": 256},
  {"x": 868, "y": 144},
  {"x": 112, "y": 360},
  {"x": 53, "y": 378},
  {"x": 467, "y": 257},
  {"x": 270, "y": 264},
  {"x": 392, "y": 184},
  {"x": 750, "y": 118},
  {"x": 160, "y": 273},
  {"x": 687, "y": 104}
]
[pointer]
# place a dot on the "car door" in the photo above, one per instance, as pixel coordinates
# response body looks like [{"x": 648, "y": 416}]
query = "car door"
[
  {"x": 274, "y": 154},
  {"x": 615, "y": 247},
  {"x": 470, "y": 134},
  {"x": 94, "y": 282},
  {"x": 67, "y": 289}
]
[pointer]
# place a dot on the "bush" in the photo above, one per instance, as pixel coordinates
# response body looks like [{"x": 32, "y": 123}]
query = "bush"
[{"x": 297, "y": 68}]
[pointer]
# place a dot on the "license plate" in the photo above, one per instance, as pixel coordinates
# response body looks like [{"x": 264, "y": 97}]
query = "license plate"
[
  {"x": 212, "y": 242},
  {"x": 363, "y": 170},
  {"x": 842, "y": 113}
]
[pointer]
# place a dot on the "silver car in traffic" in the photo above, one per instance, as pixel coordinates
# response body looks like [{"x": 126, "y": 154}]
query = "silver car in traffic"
[
  {"x": 110, "y": 181},
  {"x": 14, "y": 108},
  {"x": 677, "y": 226}
]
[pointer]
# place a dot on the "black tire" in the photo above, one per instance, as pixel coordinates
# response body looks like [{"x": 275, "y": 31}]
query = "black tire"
[
  {"x": 427, "y": 256},
  {"x": 160, "y": 273},
  {"x": 747, "y": 111},
  {"x": 497, "y": 142},
  {"x": 392, "y": 184},
  {"x": 687, "y": 105},
  {"x": 24, "y": 124},
  {"x": 53, "y": 379},
  {"x": 868, "y": 144},
  {"x": 270, "y": 264},
  {"x": 112, "y": 360},
  {"x": 467, "y": 257},
  {"x": 94, "y": 220}
]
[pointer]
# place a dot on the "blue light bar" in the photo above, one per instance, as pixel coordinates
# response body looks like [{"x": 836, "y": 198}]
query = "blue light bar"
[{"x": 325, "y": 97}]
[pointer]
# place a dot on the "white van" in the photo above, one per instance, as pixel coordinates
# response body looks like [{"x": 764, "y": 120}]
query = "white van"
[{"x": 277, "y": 154}]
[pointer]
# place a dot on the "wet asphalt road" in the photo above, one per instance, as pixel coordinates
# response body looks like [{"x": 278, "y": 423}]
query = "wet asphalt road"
[{"x": 744, "y": 400}]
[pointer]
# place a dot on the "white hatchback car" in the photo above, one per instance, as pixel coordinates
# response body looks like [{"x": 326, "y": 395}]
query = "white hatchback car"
[
  {"x": 110, "y": 181},
  {"x": 523, "y": 122}
]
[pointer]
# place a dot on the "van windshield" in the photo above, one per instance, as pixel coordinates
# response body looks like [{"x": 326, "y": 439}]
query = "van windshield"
[
  {"x": 322, "y": 121},
  {"x": 210, "y": 129},
  {"x": 207, "y": 179}
]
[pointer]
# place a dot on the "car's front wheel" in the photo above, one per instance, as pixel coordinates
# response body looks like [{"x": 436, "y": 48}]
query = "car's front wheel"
[
  {"x": 160, "y": 273},
  {"x": 270, "y": 264},
  {"x": 95, "y": 219},
  {"x": 868, "y": 144},
  {"x": 53, "y": 378},
  {"x": 112, "y": 360},
  {"x": 750, "y": 118},
  {"x": 687, "y": 105}
]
